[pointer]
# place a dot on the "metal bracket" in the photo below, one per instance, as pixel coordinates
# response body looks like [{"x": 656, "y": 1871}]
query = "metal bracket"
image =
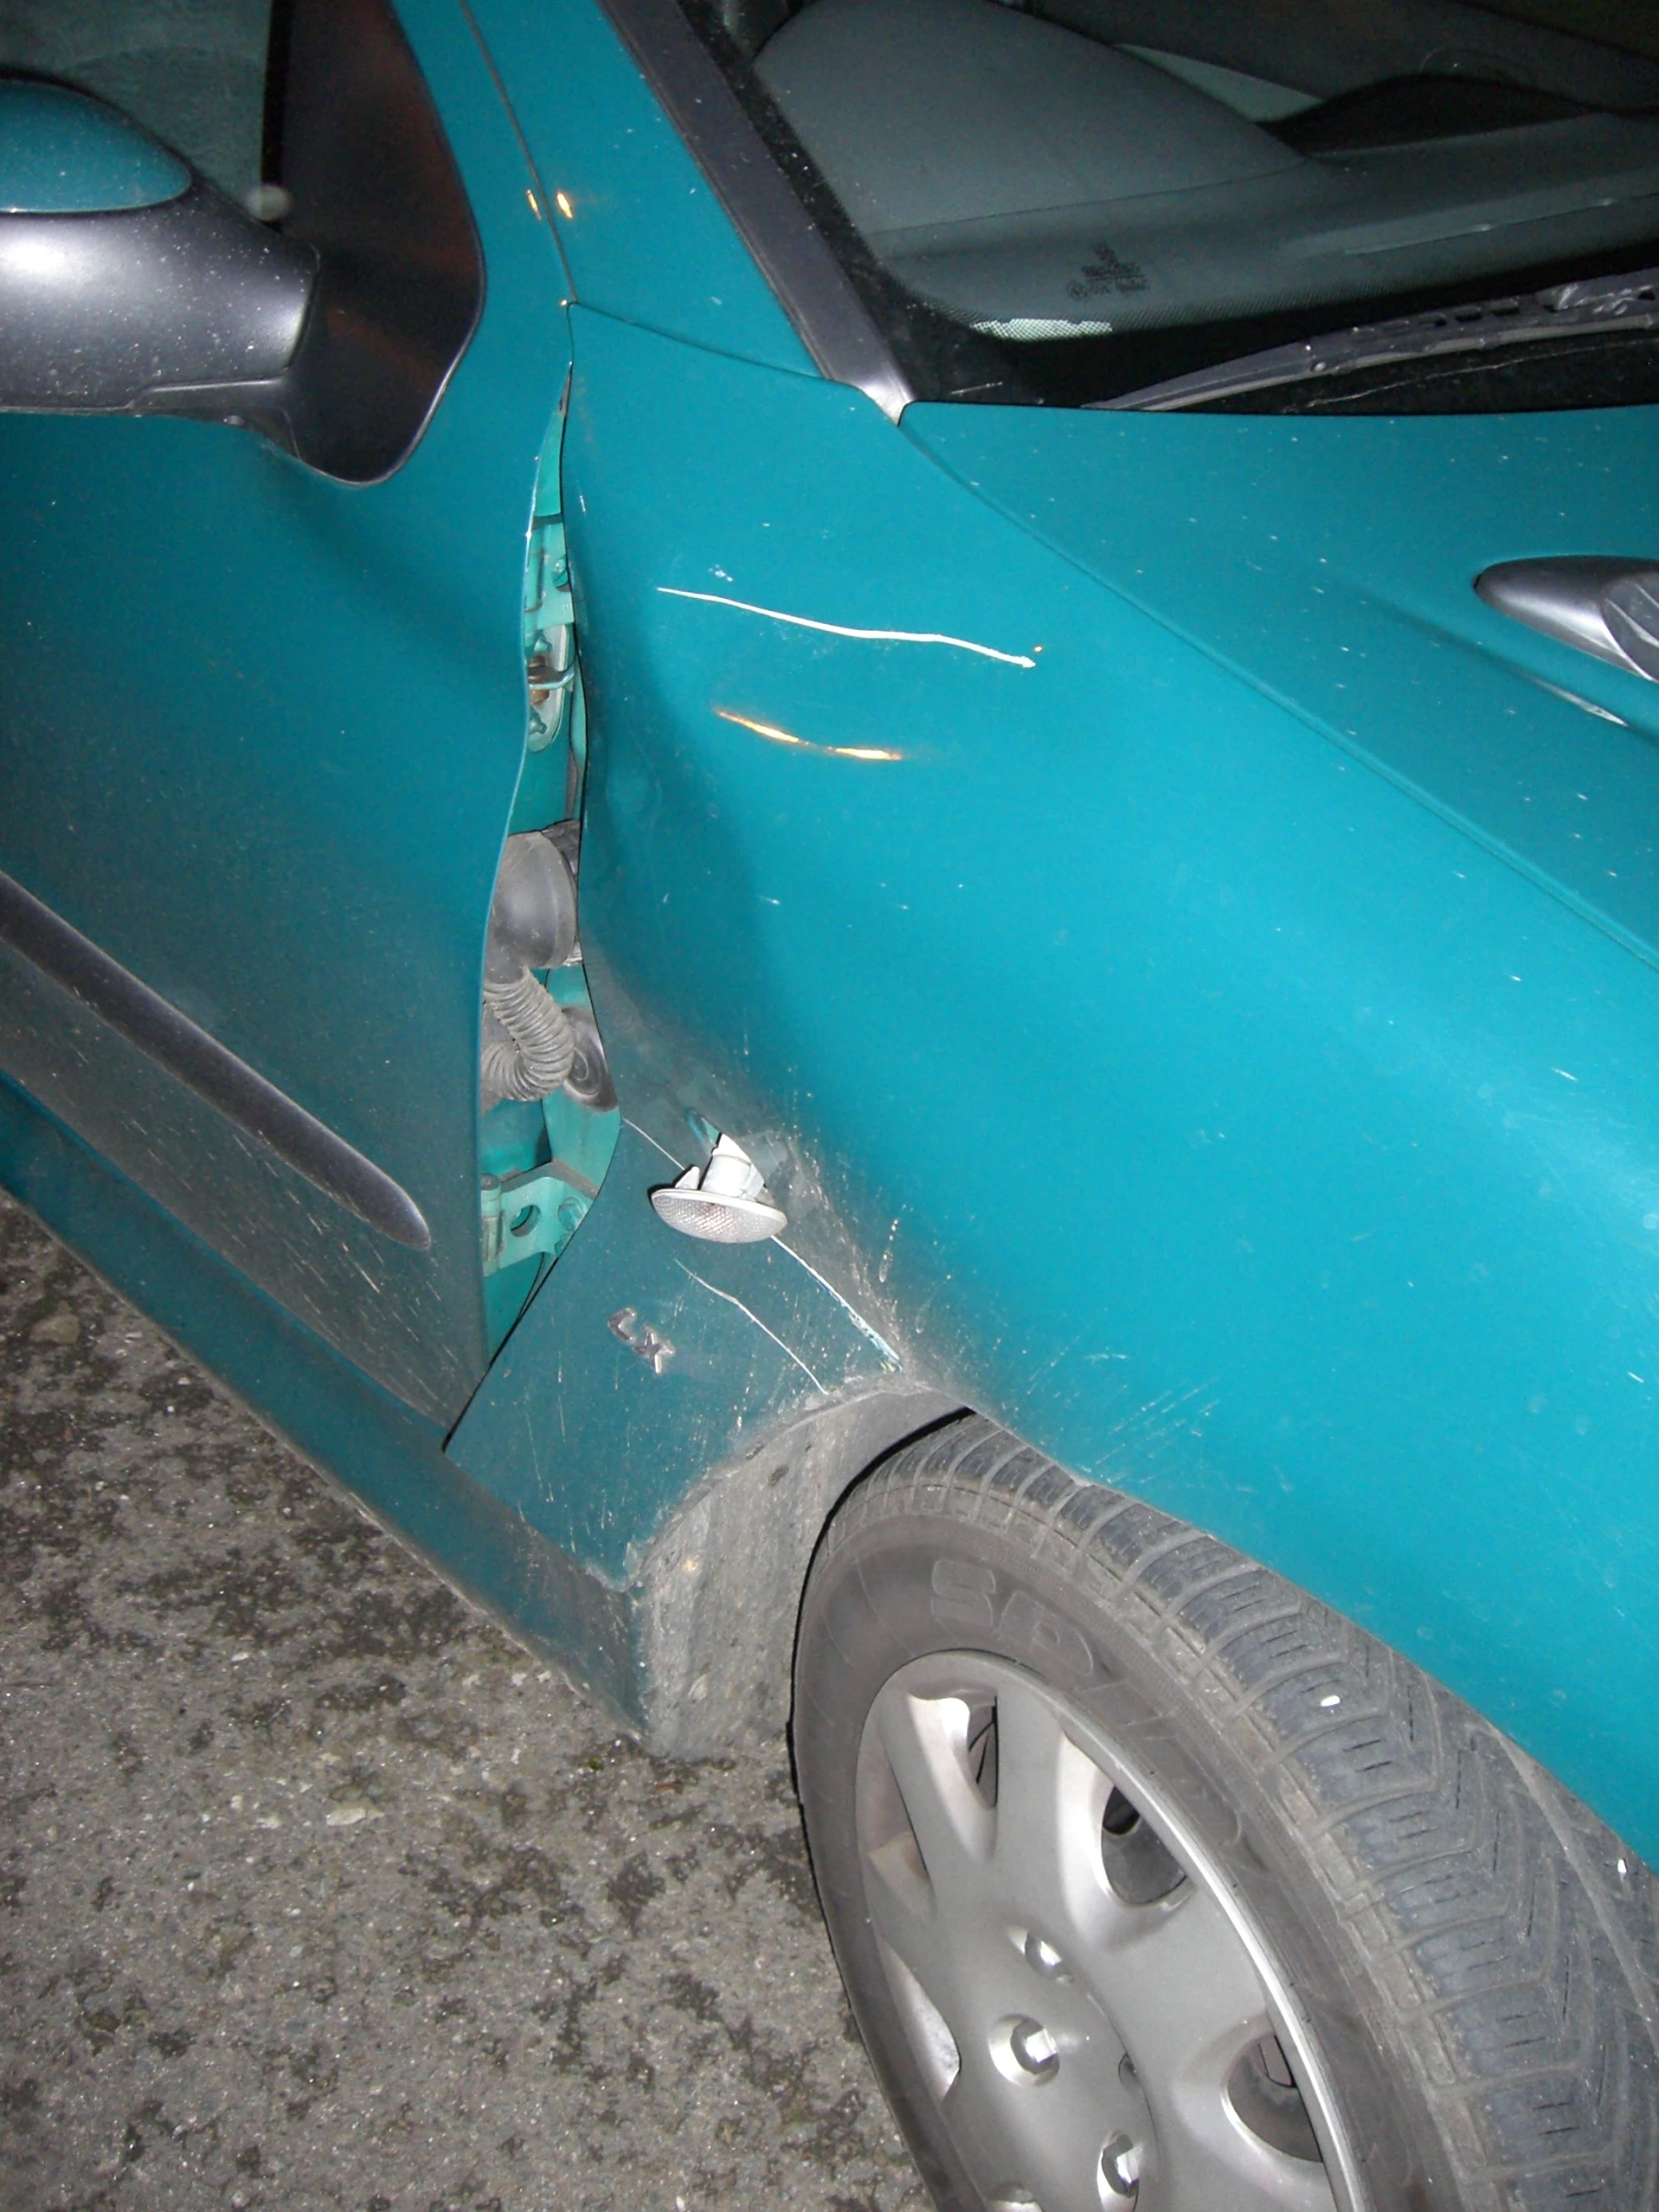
[
  {"x": 549, "y": 631},
  {"x": 535, "y": 1212}
]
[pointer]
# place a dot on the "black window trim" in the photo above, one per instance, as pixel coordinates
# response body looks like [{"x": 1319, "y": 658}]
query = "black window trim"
[{"x": 794, "y": 257}]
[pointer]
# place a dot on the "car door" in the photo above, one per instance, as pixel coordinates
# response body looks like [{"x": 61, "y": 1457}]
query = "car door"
[{"x": 261, "y": 718}]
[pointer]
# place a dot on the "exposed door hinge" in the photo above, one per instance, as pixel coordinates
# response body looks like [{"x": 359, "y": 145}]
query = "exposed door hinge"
[{"x": 538, "y": 1211}]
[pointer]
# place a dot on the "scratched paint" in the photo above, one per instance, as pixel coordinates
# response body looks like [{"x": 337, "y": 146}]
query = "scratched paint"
[
  {"x": 845, "y": 630},
  {"x": 776, "y": 736}
]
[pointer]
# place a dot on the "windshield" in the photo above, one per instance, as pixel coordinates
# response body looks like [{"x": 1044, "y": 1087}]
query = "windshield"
[{"x": 1071, "y": 201}]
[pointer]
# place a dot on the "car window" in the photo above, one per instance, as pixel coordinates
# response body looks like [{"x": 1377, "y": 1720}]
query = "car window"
[
  {"x": 190, "y": 71},
  {"x": 1072, "y": 198}
]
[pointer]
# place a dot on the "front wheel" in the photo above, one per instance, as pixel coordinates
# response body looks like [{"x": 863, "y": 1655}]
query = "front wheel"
[{"x": 1156, "y": 1885}]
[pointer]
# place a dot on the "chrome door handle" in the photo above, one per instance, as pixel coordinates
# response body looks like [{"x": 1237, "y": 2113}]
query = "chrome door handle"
[{"x": 1602, "y": 605}]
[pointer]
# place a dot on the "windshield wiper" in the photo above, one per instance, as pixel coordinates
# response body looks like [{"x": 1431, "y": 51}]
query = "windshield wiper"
[{"x": 1591, "y": 303}]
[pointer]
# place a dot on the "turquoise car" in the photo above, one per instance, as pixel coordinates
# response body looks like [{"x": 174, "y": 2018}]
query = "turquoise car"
[{"x": 836, "y": 826}]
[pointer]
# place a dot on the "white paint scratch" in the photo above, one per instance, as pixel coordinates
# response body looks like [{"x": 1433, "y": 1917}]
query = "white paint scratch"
[
  {"x": 1572, "y": 698},
  {"x": 853, "y": 1314},
  {"x": 842, "y": 630},
  {"x": 750, "y": 1314}
]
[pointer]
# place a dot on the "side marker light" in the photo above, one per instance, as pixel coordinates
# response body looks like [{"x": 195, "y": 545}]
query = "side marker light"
[{"x": 722, "y": 1202}]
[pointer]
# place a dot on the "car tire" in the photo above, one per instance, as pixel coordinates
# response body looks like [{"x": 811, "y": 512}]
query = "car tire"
[{"x": 1155, "y": 1883}]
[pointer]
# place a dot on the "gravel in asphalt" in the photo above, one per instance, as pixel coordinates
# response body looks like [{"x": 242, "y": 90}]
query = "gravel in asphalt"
[{"x": 316, "y": 1890}]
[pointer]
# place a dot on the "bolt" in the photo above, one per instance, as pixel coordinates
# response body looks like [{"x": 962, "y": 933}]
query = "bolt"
[
  {"x": 1044, "y": 1958},
  {"x": 1120, "y": 2167},
  {"x": 1034, "y": 2049}
]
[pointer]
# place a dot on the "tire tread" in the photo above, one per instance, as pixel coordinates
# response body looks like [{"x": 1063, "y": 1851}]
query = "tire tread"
[{"x": 1521, "y": 1962}]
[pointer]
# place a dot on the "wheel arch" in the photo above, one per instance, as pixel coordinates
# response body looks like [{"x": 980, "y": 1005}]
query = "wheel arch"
[{"x": 721, "y": 1582}]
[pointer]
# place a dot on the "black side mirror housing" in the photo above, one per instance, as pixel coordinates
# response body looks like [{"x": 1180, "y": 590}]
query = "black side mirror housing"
[{"x": 129, "y": 284}]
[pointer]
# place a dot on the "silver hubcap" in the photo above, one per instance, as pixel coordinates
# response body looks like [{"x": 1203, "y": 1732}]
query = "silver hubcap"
[{"x": 1084, "y": 1993}]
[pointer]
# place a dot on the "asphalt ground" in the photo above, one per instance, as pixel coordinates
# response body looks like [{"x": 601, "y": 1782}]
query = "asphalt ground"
[{"x": 316, "y": 1890}]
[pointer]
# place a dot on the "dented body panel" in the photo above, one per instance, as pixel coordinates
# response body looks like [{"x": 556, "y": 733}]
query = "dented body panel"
[
  {"x": 1187, "y": 969},
  {"x": 1220, "y": 1112}
]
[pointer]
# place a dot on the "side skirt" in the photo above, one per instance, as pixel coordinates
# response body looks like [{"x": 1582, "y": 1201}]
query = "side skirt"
[
  {"x": 690, "y": 1650},
  {"x": 384, "y": 1456}
]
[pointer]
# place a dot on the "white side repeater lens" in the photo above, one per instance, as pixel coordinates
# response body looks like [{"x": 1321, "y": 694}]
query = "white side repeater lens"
[{"x": 722, "y": 1202}]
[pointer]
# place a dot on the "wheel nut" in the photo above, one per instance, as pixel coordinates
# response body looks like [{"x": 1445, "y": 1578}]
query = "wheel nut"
[
  {"x": 1034, "y": 2049},
  {"x": 1044, "y": 1958},
  {"x": 1120, "y": 2169}
]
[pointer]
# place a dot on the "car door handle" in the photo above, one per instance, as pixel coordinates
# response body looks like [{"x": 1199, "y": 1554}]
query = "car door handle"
[{"x": 1608, "y": 607}]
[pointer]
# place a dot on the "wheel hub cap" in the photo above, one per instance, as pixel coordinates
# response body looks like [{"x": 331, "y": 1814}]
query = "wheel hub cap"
[{"x": 1083, "y": 1991}]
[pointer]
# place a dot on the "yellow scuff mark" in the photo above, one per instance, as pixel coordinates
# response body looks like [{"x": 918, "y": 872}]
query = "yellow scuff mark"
[{"x": 773, "y": 735}]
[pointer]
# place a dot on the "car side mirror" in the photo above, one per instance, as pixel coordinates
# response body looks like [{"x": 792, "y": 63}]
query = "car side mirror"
[{"x": 128, "y": 284}]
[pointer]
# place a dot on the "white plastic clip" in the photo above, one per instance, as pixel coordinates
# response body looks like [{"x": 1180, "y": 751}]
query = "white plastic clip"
[{"x": 722, "y": 1202}]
